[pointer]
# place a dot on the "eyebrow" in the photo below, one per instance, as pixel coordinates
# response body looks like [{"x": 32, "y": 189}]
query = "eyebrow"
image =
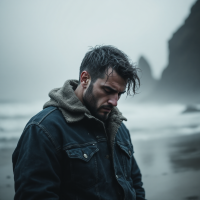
[{"x": 113, "y": 90}]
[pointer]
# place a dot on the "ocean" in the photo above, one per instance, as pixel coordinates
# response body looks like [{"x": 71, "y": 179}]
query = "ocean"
[{"x": 145, "y": 121}]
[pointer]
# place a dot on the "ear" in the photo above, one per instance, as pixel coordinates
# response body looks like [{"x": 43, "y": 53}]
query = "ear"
[{"x": 85, "y": 79}]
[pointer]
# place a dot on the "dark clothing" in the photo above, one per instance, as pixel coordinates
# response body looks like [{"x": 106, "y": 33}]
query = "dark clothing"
[{"x": 55, "y": 159}]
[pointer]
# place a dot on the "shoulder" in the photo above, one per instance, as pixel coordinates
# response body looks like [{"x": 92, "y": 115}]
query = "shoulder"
[
  {"x": 122, "y": 129},
  {"x": 51, "y": 121},
  {"x": 123, "y": 134},
  {"x": 46, "y": 115}
]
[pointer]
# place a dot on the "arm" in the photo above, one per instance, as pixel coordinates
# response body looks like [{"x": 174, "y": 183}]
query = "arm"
[
  {"x": 36, "y": 166},
  {"x": 137, "y": 181},
  {"x": 136, "y": 176}
]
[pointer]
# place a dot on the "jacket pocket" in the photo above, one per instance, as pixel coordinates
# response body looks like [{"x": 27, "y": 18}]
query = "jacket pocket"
[
  {"x": 83, "y": 165},
  {"x": 126, "y": 151}
]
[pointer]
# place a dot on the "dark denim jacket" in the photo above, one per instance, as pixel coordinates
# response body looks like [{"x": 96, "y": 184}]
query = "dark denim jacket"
[{"x": 57, "y": 160}]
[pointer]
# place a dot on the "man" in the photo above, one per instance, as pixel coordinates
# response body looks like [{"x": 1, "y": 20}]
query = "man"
[{"x": 77, "y": 147}]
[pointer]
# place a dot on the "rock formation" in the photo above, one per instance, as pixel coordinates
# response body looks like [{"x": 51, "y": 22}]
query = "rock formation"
[
  {"x": 147, "y": 82},
  {"x": 181, "y": 78}
]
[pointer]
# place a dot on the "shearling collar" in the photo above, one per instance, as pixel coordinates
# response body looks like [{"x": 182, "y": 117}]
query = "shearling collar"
[
  {"x": 72, "y": 108},
  {"x": 65, "y": 99}
]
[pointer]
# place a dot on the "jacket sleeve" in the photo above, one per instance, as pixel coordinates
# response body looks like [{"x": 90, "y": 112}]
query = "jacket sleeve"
[
  {"x": 137, "y": 181},
  {"x": 36, "y": 166},
  {"x": 136, "y": 176}
]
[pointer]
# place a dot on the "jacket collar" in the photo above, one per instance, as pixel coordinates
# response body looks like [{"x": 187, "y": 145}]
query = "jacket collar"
[{"x": 73, "y": 110}]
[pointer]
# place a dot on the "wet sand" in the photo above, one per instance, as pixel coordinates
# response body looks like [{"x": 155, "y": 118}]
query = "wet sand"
[
  {"x": 6, "y": 174},
  {"x": 170, "y": 168}
]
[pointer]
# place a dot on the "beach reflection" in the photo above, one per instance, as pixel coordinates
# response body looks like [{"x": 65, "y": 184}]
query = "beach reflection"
[{"x": 185, "y": 153}]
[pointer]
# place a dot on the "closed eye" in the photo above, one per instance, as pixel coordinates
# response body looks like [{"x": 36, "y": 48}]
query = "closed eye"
[{"x": 108, "y": 91}]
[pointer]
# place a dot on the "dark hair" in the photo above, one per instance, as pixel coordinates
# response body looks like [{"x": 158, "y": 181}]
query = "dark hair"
[{"x": 99, "y": 59}]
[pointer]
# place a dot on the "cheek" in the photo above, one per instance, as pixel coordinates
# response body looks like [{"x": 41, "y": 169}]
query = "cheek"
[
  {"x": 99, "y": 97},
  {"x": 102, "y": 100}
]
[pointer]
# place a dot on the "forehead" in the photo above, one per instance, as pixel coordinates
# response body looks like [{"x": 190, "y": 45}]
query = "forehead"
[{"x": 113, "y": 80}]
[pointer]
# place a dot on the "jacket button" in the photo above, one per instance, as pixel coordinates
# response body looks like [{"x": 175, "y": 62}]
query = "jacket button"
[
  {"x": 129, "y": 152},
  {"x": 85, "y": 155},
  {"x": 107, "y": 156},
  {"x": 117, "y": 177}
]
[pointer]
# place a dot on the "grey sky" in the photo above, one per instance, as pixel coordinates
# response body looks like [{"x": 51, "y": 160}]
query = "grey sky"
[{"x": 42, "y": 43}]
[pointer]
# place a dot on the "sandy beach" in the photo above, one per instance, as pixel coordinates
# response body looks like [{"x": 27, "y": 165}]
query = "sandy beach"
[
  {"x": 6, "y": 174},
  {"x": 170, "y": 168}
]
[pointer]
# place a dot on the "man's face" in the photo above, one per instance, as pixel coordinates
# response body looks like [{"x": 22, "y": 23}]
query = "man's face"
[{"x": 101, "y": 96}]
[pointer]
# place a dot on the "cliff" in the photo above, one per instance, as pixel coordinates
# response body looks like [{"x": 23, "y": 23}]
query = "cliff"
[
  {"x": 147, "y": 82},
  {"x": 180, "y": 80}
]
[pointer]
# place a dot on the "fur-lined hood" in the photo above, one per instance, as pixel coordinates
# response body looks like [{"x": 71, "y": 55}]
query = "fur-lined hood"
[{"x": 73, "y": 110}]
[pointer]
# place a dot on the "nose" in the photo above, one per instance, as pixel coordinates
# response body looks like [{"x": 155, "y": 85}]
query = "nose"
[{"x": 113, "y": 100}]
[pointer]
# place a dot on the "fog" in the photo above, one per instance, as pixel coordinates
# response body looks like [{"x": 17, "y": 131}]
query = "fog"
[{"x": 42, "y": 43}]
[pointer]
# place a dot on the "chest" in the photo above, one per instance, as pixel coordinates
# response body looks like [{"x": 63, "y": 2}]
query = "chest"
[{"x": 91, "y": 158}]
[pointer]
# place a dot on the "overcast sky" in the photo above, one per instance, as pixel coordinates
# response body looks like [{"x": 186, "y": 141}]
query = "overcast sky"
[{"x": 42, "y": 43}]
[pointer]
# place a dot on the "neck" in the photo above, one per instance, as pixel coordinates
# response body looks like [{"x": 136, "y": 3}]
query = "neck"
[{"x": 79, "y": 93}]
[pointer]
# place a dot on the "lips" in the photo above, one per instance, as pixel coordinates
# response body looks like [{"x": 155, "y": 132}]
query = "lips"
[{"x": 106, "y": 108}]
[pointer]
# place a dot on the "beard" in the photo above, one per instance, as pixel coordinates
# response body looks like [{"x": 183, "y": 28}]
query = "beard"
[{"x": 90, "y": 102}]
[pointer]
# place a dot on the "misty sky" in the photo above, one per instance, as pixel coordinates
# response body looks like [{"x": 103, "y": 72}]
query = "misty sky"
[{"x": 42, "y": 43}]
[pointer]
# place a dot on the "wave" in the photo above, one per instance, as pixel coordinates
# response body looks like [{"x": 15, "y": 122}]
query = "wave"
[
  {"x": 3, "y": 117},
  {"x": 144, "y": 121}
]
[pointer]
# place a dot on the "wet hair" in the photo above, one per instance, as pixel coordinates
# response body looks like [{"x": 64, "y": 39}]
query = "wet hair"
[{"x": 99, "y": 59}]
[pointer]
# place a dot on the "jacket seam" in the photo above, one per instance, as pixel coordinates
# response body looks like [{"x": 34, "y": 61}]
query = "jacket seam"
[
  {"x": 79, "y": 145},
  {"x": 50, "y": 137},
  {"x": 47, "y": 115},
  {"x": 46, "y": 133}
]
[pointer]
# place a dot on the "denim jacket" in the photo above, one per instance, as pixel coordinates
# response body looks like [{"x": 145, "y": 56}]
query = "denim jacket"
[{"x": 81, "y": 160}]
